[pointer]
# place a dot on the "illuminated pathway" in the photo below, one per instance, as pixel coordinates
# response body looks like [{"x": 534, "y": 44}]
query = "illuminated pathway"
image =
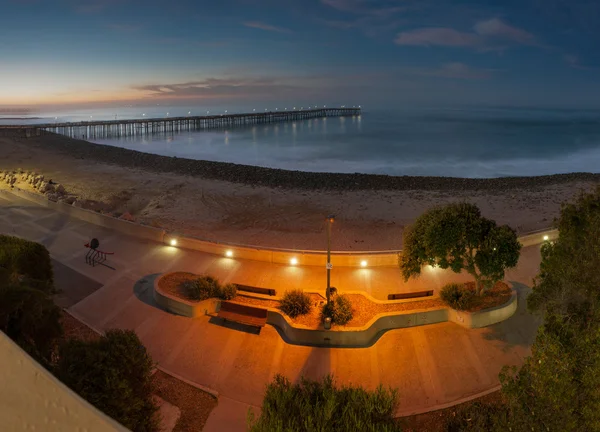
[{"x": 431, "y": 365}]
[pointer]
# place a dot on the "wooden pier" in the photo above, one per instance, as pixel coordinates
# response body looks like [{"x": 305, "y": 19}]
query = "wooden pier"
[{"x": 137, "y": 127}]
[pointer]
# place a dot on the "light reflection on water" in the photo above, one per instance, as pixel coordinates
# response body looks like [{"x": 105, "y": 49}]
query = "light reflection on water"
[{"x": 458, "y": 143}]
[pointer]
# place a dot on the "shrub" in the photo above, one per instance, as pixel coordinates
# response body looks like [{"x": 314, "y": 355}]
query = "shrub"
[
  {"x": 323, "y": 406},
  {"x": 339, "y": 310},
  {"x": 30, "y": 318},
  {"x": 457, "y": 296},
  {"x": 228, "y": 291},
  {"x": 26, "y": 258},
  {"x": 202, "y": 288},
  {"x": 113, "y": 373},
  {"x": 295, "y": 303},
  {"x": 477, "y": 416}
]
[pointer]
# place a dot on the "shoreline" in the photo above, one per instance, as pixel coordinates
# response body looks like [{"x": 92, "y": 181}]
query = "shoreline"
[
  {"x": 272, "y": 208},
  {"x": 302, "y": 180}
]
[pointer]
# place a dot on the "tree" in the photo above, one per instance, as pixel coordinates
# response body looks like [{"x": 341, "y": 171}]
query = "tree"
[
  {"x": 569, "y": 279},
  {"x": 28, "y": 314},
  {"x": 323, "y": 406},
  {"x": 456, "y": 236},
  {"x": 558, "y": 387},
  {"x": 113, "y": 373},
  {"x": 30, "y": 318}
]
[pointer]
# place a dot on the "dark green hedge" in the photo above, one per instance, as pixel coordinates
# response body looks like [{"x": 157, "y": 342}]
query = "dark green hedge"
[{"x": 26, "y": 258}]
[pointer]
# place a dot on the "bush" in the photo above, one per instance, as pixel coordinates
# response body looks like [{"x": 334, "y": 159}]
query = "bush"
[
  {"x": 30, "y": 318},
  {"x": 202, "y": 288},
  {"x": 113, "y": 373},
  {"x": 322, "y": 406},
  {"x": 339, "y": 310},
  {"x": 477, "y": 416},
  {"x": 228, "y": 291},
  {"x": 20, "y": 257},
  {"x": 457, "y": 296},
  {"x": 295, "y": 303}
]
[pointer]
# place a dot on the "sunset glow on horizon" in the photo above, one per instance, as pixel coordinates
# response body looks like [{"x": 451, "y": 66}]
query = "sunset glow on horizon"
[{"x": 380, "y": 52}]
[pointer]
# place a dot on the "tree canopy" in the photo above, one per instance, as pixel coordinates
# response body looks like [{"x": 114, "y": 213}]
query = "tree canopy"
[
  {"x": 569, "y": 278},
  {"x": 113, "y": 373},
  {"x": 28, "y": 314},
  {"x": 458, "y": 237}
]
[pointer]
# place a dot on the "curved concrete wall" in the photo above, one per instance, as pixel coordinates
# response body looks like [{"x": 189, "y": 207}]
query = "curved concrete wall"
[
  {"x": 352, "y": 337},
  {"x": 183, "y": 307},
  {"x": 485, "y": 317},
  {"x": 271, "y": 255},
  {"x": 33, "y": 399}
]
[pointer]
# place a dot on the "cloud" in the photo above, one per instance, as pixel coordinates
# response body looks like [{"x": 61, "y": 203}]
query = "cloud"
[
  {"x": 458, "y": 70},
  {"x": 487, "y": 35},
  {"x": 219, "y": 88},
  {"x": 497, "y": 29},
  {"x": 267, "y": 27},
  {"x": 373, "y": 20},
  {"x": 437, "y": 36}
]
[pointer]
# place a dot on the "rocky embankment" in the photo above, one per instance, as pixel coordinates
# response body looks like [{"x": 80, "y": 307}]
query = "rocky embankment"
[
  {"x": 278, "y": 178},
  {"x": 35, "y": 182}
]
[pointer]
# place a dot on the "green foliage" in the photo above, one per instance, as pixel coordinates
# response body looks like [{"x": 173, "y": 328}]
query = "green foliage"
[
  {"x": 22, "y": 258},
  {"x": 322, "y": 406},
  {"x": 202, "y": 288},
  {"x": 457, "y": 237},
  {"x": 205, "y": 287},
  {"x": 480, "y": 417},
  {"x": 457, "y": 296},
  {"x": 113, "y": 373},
  {"x": 558, "y": 387},
  {"x": 228, "y": 291},
  {"x": 28, "y": 314},
  {"x": 569, "y": 277},
  {"x": 30, "y": 318},
  {"x": 295, "y": 303},
  {"x": 339, "y": 310}
]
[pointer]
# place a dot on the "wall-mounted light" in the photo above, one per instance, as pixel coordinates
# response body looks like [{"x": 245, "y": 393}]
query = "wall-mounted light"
[
  {"x": 229, "y": 253},
  {"x": 173, "y": 242},
  {"x": 363, "y": 263},
  {"x": 293, "y": 261}
]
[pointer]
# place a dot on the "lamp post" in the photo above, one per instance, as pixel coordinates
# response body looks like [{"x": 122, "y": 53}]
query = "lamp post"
[{"x": 330, "y": 220}]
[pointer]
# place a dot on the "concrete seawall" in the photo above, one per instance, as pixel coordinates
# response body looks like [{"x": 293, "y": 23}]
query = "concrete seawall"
[{"x": 256, "y": 253}]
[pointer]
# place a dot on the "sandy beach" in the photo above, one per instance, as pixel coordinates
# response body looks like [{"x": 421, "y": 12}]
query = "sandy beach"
[{"x": 276, "y": 208}]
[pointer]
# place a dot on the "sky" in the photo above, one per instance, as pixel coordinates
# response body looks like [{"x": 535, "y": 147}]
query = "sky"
[{"x": 543, "y": 53}]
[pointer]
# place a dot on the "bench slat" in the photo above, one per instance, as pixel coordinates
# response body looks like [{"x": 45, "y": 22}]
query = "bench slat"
[
  {"x": 257, "y": 290},
  {"x": 403, "y": 296},
  {"x": 243, "y": 314}
]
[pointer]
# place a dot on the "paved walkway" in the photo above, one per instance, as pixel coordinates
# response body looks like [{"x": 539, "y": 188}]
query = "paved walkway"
[{"x": 430, "y": 365}]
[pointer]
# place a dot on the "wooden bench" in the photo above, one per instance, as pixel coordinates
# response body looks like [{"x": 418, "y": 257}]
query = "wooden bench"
[
  {"x": 403, "y": 296},
  {"x": 257, "y": 290},
  {"x": 243, "y": 314}
]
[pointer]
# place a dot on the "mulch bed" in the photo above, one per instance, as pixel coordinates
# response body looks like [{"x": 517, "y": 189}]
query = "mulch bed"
[
  {"x": 195, "y": 404},
  {"x": 171, "y": 283},
  {"x": 363, "y": 309},
  {"x": 496, "y": 296},
  {"x": 75, "y": 329},
  {"x": 437, "y": 420}
]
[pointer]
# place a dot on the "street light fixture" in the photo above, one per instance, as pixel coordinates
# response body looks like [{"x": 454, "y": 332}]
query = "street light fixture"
[{"x": 330, "y": 220}]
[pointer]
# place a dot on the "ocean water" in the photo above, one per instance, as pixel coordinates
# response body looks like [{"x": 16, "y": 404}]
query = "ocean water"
[{"x": 465, "y": 142}]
